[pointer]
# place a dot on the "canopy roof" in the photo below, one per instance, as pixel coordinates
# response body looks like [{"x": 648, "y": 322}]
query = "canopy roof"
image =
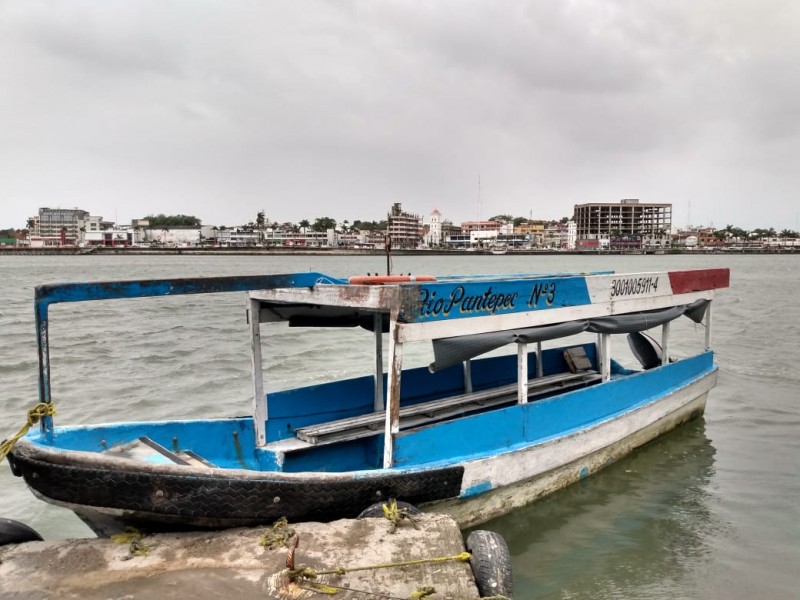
[{"x": 455, "y": 350}]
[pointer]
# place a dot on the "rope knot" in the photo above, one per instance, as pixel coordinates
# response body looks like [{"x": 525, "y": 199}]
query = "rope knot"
[
  {"x": 35, "y": 414},
  {"x": 39, "y": 411}
]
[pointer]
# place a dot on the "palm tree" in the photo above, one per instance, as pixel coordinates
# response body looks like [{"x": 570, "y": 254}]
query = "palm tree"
[{"x": 260, "y": 224}]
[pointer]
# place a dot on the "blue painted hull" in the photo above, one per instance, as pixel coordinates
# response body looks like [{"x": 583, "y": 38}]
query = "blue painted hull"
[{"x": 454, "y": 462}]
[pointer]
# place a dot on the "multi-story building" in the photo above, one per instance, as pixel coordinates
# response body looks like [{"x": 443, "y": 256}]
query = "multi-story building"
[
  {"x": 405, "y": 229},
  {"x": 57, "y": 226},
  {"x": 470, "y": 226},
  {"x": 696, "y": 236},
  {"x": 624, "y": 224},
  {"x": 533, "y": 231}
]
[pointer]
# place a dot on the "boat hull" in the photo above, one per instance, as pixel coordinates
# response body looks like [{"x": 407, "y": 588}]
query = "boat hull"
[
  {"x": 166, "y": 497},
  {"x": 546, "y": 468}
]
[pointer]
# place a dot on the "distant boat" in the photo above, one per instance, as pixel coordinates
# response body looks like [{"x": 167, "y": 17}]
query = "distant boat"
[
  {"x": 499, "y": 249},
  {"x": 472, "y": 438}
]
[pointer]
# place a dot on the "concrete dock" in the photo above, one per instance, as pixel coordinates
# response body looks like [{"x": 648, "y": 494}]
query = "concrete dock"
[{"x": 249, "y": 563}]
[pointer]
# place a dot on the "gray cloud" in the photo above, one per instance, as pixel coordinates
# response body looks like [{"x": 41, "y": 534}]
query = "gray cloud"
[{"x": 341, "y": 108}]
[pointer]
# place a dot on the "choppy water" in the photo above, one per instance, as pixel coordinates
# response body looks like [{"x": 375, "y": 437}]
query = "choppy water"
[{"x": 709, "y": 511}]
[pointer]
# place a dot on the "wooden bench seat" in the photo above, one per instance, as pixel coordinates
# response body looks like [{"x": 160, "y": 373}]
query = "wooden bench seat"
[
  {"x": 148, "y": 450},
  {"x": 423, "y": 413}
]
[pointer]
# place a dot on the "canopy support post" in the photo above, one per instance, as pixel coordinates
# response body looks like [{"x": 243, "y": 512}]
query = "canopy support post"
[
  {"x": 378, "y": 323},
  {"x": 468, "y": 376},
  {"x": 539, "y": 365},
  {"x": 522, "y": 372},
  {"x": 599, "y": 346},
  {"x": 43, "y": 344},
  {"x": 605, "y": 356},
  {"x": 392, "y": 427},
  {"x": 665, "y": 343},
  {"x": 708, "y": 326},
  {"x": 259, "y": 398}
]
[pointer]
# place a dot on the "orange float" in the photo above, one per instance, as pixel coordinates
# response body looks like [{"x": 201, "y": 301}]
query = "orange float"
[{"x": 388, "y": 279}]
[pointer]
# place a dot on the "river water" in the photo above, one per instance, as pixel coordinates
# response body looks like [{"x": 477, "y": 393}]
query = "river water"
[{"x": 711, "y": 510}]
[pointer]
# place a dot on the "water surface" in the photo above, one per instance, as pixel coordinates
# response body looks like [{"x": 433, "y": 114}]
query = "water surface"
[{"x": 708, "y": 511}]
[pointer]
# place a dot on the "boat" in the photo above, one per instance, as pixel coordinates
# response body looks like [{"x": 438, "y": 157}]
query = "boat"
[
  {"x": 499, "y": 249},
  {"x": 470, "y": 436}
]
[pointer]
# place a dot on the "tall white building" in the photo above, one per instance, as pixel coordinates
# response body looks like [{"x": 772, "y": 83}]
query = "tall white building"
[{"x": 433, "y": 229}]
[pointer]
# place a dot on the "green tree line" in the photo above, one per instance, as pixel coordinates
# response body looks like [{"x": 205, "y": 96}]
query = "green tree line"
[{"x": 162, "y": 220}]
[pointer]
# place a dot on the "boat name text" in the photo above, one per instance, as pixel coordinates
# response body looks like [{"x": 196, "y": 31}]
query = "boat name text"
[
  {"x": 488, "y": 302},
  {"x": 543, "y": 291},
  {"x": 633, "y": 286}
]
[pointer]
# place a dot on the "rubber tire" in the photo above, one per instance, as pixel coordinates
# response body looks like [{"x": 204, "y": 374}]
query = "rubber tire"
[
  {"x": 376, "y": 510},
  {"x": 14, "y": 532},
  {"x": 491, "y": 563}
]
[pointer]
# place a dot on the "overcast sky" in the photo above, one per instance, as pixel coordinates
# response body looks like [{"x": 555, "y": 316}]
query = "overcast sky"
[{"x": 307, "y": 109}]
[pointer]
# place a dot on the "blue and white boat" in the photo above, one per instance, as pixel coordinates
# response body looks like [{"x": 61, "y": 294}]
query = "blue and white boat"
[{"x": 471, "y": 437}]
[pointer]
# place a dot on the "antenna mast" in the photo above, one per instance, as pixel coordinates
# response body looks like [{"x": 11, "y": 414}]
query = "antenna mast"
[{"x": 479, "y": 196}]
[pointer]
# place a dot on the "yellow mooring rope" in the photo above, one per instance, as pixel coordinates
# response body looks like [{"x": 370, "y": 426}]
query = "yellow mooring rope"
[
  {"x": 312, "y": 574},
  {"x": 395, "y": 515},
  {"x": 34, "y": 416}
]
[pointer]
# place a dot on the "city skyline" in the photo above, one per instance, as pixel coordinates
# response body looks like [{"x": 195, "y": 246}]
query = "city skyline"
[{"x": 676, "y": 226}]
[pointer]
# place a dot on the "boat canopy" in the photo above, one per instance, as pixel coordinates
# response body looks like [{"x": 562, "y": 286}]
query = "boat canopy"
[{"x": 455, "y": 350}]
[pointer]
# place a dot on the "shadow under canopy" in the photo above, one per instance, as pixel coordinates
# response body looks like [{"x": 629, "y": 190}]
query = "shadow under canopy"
[{"x": 454, "y": 350}]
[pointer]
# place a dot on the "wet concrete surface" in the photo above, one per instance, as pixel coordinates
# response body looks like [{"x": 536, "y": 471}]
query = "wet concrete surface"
[{"x": 234, "y": 564}]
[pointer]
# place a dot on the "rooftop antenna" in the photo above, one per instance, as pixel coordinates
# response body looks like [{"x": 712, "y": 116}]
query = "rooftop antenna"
[
  {"x": 479, "y": 196},
  {"x": 388, "y": 246}
]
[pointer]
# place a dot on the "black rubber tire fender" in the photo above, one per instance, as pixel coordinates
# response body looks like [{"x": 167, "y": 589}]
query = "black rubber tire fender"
[
  {"x": 491, "y": 563},
  {"x": 14, "y": 532},
  {"x": 376, "y": 510}
]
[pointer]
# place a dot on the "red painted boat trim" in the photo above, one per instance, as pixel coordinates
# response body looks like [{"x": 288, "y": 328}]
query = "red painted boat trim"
[{"x": 683, "y": 282}]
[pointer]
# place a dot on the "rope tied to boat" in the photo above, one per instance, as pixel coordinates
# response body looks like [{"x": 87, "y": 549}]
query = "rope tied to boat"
[
  {"x": 35, "y": 414},
  {"x": 133, "y": 537},
  {"x": 313, "y": 574},
  {"x": 308, "y": 579},
  {"x": 396, "y": 515},
  {"x": 278, "y": 536}
]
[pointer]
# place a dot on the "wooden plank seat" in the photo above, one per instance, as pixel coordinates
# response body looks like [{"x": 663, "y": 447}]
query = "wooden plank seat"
[
  {"x": 148, "y": 450},
  {"x": 352, "y": 428}
]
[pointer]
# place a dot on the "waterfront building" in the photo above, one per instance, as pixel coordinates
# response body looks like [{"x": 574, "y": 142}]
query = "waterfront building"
[
  {"x": 405, "y": 229},
  {"x": 173, "y": 236},
  {"x": 492, "y": 226},
  {"x": 57, "y": 227},
  {"x": 94, "y": 231},
  {"x": 432, "y": 227},
  {"x": 533, "y": 231},
  {"x": 627, "y": 224},
  {"x": 230, "y": 237},
  {"x": 572, "y": 235},
  {"x": 554, "y": 235},
  {"x": 692, "y": 237},
  {"x": 450, "y": 230}
]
